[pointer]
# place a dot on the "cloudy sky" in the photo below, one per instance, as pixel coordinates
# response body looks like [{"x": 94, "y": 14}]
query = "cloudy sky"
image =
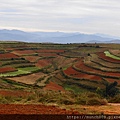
[{"x": 86, "y": 16}]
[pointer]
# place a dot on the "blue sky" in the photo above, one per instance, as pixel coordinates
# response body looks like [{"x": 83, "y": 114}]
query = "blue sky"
[{"x": 85, "y": 16}]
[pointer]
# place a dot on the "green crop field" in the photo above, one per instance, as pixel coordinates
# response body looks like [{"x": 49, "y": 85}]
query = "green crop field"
[
  {"x": 20, "y": 71},
  {"x": 107, "y": 53}
]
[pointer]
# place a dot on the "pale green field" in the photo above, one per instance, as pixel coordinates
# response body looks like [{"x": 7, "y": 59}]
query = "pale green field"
[{"x": 107, "y": 53}]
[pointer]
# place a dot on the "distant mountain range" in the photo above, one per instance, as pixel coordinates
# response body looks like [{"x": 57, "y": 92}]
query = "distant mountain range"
[{"x": 55, "y": 37}]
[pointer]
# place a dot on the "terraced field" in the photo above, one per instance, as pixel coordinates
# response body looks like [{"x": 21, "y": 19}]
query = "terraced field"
[
  {"x": 29, "y": 71},
  {"x": 32, "y": 64}
]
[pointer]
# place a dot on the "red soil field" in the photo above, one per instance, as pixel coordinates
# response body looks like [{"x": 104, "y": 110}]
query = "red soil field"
[
  {"x": 42, "y": 63},
  {"x": 33, "y": 109},
  {"x": 81, "y": 66},
  {"x": 49, "y": 51},
  {"x": 53, "y": 86},
  {"x": 7, "y": 69},
  {"x": 102, "y": 56},
  {"x": 8, "y": 56},
  {"x": 75, "y": 74},
  {"x": 16, "y": 93},
  {"x": 24, "y": 52}
]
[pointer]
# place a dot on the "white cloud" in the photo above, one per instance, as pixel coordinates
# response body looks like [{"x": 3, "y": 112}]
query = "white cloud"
[{"x": 88, "y": 16}]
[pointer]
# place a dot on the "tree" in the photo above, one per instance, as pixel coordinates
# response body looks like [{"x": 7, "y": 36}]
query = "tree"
[
  {"x": 88, "y": 54},
  {"x": 111, "y": 89}
]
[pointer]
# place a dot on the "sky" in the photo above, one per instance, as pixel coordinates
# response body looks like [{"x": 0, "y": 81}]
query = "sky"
[{"x": 84, "y": 16}]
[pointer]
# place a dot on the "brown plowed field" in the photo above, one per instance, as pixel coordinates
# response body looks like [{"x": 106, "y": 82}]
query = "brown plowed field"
[
  {"x": 47, "y": 54},
  {"x": 28, "y": 79},
  {"x": 53, "y": 86},
  {"x": 42, "y": 63},
  {"x": 32, "y": 109},
  {"x": 31, "y": 58},
  {"x": 16, "y": 93}
]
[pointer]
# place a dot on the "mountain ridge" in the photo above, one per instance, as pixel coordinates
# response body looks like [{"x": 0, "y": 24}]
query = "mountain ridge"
[{"x": 54, "y": 37}]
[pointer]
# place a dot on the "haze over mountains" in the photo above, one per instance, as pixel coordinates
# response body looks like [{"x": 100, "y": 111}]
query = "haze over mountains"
[{"x": 55, "y": 37}]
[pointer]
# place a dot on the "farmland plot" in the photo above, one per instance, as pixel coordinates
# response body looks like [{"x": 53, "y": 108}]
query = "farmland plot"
[
  {"x": 7, "y": 69},
  {"x": 5, "y": 56},
  {"x": 53, "y": 86},
  {"x": 80, "y": 66},
  {"x": 115, "y": 52},
  {"x": 106, "y": 58},
  {"x": 20, "y": 71},
  {"x": 32, "y": 58},
  {"x": 94, "y": 65},
  {"x": 79, "y": 75},
  {"x": 43, "y": 63},
  {"x": 24, "y": 52},
  {"x": 28, "y": 79},
  {"x": 94, "y": 58}
]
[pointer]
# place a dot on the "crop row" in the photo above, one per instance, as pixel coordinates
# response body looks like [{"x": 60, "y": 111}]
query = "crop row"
[
  {"x": 106, "y": 58},
  {"x": 115, "y": 52},
  {"x": 105, "y": 64},
  {"x": 80, "y": 66},
  {"x": 99, "y": 67},
  {"x": 94, "y": 58},
  {"x": 71, "y": 72}
]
